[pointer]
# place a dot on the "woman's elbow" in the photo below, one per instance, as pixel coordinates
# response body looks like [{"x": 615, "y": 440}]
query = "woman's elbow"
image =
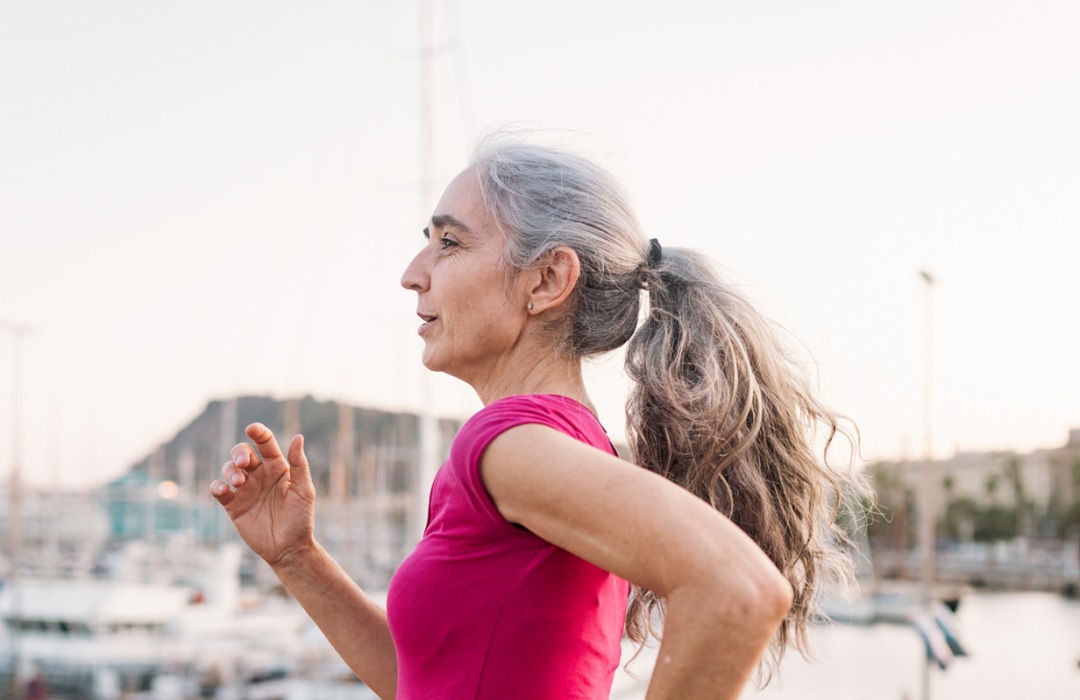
[
  {"x": 775, "y": 597},
  {"x": 762, "y": 597}
]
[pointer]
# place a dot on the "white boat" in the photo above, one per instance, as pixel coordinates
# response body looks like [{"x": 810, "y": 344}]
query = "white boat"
[{"x": 104, "y": 639}]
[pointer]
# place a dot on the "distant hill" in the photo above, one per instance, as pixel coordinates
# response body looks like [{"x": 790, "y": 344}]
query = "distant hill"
[
  {"x": 364, "y": 463},
  {"x": 199, "y": 449}
]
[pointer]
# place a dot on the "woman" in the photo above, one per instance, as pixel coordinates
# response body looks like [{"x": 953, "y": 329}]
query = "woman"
[{"x": 536, "y": 530}]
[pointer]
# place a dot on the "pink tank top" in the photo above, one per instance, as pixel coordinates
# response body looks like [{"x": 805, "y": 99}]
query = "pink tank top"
[{"x": 485, "y": 609}]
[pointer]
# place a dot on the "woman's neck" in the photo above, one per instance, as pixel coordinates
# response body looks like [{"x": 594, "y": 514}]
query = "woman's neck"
[{"x": 550, "y": 376}]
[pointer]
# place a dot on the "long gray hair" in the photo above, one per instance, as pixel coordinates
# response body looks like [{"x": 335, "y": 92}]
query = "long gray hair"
[{"x": 717, "y": 406}]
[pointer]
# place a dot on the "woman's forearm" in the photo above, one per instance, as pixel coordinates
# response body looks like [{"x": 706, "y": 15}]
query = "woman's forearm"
[
  {"x": 711, "y": 648},
  {"x": 354, "y": 624}
]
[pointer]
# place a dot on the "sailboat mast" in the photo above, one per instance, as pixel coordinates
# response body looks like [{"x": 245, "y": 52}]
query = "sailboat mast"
[
  {"x": 18, "y": 331},
  {"x": 427, "y": 455}
]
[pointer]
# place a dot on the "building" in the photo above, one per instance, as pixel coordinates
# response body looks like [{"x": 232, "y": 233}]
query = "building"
[{"x": 1038, "y": 492}]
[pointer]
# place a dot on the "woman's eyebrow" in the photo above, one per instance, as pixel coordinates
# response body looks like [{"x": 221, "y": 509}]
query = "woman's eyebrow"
[{"x": 446, "y": 221}]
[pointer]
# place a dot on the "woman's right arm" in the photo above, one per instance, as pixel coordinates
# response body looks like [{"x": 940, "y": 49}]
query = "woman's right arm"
[
  {"x": 725, "y": 598},
  {"x": 271, "y": 499}
]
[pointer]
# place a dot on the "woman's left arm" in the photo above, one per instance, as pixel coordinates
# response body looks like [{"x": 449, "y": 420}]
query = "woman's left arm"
[{"x": 725, "y": 597}]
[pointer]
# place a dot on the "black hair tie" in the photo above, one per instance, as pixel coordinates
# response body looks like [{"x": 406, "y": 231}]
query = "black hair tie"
[{"x": 656, "y": 253}]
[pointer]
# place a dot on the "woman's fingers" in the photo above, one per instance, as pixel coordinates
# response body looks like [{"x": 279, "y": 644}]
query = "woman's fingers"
[
  {"x": 264, "y": 441},
  {"x": 298, "y": 463},
  {"x": 234, "y": 472},
  {"x": 245, "y": 458},
  {"x": 221, "y": 492}
]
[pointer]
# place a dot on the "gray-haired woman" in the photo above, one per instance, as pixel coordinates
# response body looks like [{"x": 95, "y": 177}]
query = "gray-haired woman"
[{"x": 542, "y": 546}]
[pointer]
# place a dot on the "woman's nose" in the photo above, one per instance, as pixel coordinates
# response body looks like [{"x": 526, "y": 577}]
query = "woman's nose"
[{"x": 415, "y": 276}]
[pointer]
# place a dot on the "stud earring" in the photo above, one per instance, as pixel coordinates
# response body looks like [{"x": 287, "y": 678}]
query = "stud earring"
[{"x": 529, "y": 306}]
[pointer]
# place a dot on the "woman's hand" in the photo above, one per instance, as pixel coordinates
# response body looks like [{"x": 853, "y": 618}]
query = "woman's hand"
[
  {"x": 270, "y": 498},
  {"x": 271, "y": 501}
]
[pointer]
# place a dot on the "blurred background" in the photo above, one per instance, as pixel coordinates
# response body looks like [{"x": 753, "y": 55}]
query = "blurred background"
[{"x": 205, "y": 209}]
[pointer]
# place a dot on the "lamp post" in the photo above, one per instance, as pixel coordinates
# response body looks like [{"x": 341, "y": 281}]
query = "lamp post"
[
  {"x": 926, "y": 521},
  {"x": 927, "y": 510}
]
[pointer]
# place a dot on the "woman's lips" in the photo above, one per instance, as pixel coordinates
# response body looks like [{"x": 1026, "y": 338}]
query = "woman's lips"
[{"x": 427, "y": 321}]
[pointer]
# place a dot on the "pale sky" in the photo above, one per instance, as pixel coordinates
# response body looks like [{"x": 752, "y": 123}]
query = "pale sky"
[{"x": 201, "y": 199}]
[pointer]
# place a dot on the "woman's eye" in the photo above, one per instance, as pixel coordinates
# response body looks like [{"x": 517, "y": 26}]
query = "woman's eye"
[{"x": 447, "y": 242}]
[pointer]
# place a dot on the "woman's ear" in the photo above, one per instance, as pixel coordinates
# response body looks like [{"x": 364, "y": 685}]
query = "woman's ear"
[{"x": 556, "y": 275}]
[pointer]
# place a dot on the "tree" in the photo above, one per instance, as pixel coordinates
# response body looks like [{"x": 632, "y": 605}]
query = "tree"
[{"x": 1021, "y": 506}]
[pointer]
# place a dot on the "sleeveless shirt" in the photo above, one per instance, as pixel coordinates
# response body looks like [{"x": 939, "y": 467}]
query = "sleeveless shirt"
[{"x": 483, "y": 608}]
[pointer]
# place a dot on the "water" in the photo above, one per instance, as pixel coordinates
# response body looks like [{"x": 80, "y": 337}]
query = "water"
[{"x": 1022, "y": 645}]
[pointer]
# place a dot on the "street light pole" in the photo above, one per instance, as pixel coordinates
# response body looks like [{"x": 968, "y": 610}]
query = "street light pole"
[
  {"x": 928, "y": 512},
  {"x": 928, "y": 485}
]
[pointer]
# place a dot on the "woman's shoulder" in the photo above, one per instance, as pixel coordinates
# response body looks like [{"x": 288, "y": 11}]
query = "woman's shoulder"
[
  {"x": 549, "y": 409},
  {"x": 545, "y": 402},
  {"x": 559, "y": 412}
]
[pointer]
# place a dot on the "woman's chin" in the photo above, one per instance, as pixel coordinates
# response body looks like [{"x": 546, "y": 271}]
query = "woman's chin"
[{"x": 431, "y": 362}]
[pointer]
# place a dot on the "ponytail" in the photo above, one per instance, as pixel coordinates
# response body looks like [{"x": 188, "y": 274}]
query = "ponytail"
[{"x": 720, "y": 409}]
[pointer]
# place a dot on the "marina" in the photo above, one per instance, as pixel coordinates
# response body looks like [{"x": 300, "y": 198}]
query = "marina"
[
  {"x": 137, "y": 590},
  {"x": 96, "y": 640}
]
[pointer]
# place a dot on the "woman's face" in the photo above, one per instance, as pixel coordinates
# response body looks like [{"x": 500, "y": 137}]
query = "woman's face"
[{"x": 473, "y": 313}]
